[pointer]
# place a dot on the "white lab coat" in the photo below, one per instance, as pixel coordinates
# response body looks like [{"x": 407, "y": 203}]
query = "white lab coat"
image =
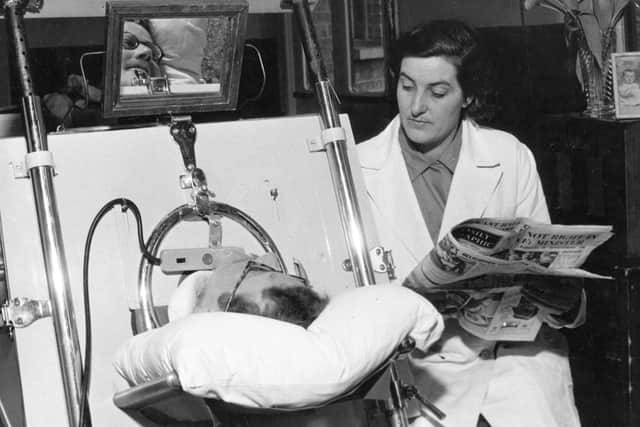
[{"x": 527, "y": 384}]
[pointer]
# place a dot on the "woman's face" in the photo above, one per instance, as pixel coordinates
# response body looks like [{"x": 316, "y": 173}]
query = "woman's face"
[
  {"x": 137, "y": 53},
  {"x": 430, "y": 99}
]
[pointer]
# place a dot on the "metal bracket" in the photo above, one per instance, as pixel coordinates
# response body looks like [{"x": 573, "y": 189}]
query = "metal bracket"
[
  {"x": 315, "y": 145},
  {"x": 32, "y": 160},
  {"x": 21, "y": 312},
  {"x": 335, "y": 134},
  {"x": 215, "y": 230},
  {"x": 300, "y": 270},
  {"x": 382, "y": 261},
  {"x": 327, "y": 136},
  {"x": 183, "y": 132}
]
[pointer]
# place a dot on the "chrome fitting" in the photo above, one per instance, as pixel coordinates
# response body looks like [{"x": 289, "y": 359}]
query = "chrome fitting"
[
  {"x": 382, "y": 261},
  {"x": 21, "y": 312}
]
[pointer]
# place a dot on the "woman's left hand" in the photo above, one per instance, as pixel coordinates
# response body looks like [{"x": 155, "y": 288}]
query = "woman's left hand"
[{"x": 554, "y": 295}]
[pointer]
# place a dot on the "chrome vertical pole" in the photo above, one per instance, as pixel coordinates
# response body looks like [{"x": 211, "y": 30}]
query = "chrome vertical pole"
[
  {"x": 41, "y": 175},
  {"x": 336, "y": 148}
]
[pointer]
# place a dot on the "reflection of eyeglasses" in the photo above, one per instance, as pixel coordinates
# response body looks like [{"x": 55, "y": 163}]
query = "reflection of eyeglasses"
[
  {"x": 257, "y": 266},
  {"x": 130, "y": 42}
]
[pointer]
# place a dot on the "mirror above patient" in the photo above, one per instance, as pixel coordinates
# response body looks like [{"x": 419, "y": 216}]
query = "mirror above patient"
[
  {"x": 173, "y": 56},
  {"x": 167, "y": 56}
]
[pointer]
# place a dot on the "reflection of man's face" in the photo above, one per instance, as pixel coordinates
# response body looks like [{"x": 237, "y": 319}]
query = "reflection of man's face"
[
  {"x": 629, "y": 76},
  {"x": 137, "y": 53}
]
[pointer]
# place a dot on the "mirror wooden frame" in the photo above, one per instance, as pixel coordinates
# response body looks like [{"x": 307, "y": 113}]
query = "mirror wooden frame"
[{"x": 119, "y": 11}]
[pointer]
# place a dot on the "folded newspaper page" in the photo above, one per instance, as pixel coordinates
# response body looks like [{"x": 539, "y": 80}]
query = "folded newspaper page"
[{"x": 496, "y": 249}]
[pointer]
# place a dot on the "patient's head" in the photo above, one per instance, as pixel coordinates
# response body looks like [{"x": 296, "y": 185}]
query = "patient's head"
[
  {"x": 244, "y": 284},
  {"x": 297, "y": 303},
  {"x": 140, "y": 54}
]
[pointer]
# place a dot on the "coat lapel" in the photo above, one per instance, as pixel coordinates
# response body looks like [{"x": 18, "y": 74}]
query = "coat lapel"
[
  {"x": 391, "y": 192},
  {"x": 476, "y": 178}
]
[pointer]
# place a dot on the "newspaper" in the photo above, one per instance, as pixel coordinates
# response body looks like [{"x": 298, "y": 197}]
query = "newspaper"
[{"x": 496, "y": 249}]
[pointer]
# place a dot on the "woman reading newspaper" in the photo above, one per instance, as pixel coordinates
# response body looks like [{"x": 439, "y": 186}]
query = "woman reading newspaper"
[{"x": 432, "y": 168}]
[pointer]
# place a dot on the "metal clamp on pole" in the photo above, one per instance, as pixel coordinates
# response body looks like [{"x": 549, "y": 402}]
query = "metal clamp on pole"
[
  {"x": 183, "y": 132},
  {"x": 33, "y": 160},
  {"x": 333, "y": 135},
  {"x": 21, "y": 312},
  {"x": 382, "y": 261},
  {"x": 38, "y": 159}
]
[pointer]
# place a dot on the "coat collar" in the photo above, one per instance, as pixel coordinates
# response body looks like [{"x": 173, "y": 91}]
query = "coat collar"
[
  {"x": 376, "y": 152},
  {"x": 475, "y": 180},
  {"x": 477, "y": 176}
]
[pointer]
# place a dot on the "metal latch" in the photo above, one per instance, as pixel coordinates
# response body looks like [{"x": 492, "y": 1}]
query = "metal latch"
[
  {"x": 315, "y": 145},
  {"x": 381, "y": 261},
  {"x": 21, "y": 312}
]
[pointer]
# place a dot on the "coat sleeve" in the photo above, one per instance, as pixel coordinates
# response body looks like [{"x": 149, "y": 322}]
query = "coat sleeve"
[{"x": 532, "y": 204}]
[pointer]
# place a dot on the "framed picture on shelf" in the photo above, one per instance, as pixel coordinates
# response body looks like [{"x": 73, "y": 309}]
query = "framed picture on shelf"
[{"x": 626, "y": 84}]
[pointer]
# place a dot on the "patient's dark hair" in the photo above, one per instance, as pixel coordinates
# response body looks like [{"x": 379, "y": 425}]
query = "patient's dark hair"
[
  {"x": 299, "y": 305},
  {"x": 296, "y": 304}
]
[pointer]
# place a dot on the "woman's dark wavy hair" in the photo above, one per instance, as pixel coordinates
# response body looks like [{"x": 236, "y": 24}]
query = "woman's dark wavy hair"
[{"x": 457, "y": 40}]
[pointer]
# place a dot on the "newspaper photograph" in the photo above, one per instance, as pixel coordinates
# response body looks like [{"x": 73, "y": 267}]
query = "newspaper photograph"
[
  {"x": 478, "y": 259},
  {"x": 502, "y": 316}
]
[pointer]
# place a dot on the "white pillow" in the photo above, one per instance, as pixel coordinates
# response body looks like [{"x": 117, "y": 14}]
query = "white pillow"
[
  {"x": 264, "y": 363},
  {"x": 183, "y": 44}
]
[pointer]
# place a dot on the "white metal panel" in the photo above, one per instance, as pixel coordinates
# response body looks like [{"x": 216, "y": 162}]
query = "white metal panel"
[{"x": 243, "y": 160}]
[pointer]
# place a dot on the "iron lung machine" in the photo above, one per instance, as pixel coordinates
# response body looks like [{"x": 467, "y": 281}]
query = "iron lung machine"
[
  {"x": 270, "y": 169},
  {"x": 290, "y": 186}
]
